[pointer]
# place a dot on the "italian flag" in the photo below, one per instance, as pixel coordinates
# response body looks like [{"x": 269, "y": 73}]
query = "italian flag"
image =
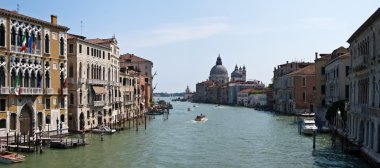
[
  {"x": 23, "y": 48},
  {"x": 17, "y": 88}
]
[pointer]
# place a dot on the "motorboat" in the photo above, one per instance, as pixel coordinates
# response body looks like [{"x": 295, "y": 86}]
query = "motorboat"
[
  {"x": 200, "y": 117},
  {"x": 103, "y": 129},
  {"x": 308, "y": 126},
  {"x": 11, "y": 157},
  {"x": 189, "y": 109}
]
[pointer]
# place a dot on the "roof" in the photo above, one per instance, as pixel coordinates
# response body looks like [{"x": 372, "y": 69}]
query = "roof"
[
  {"x": 133, "y": 58},
  {"x": 246, "y": 90},
  {"x": 309, "y": 70},
  {"x": 28, "y": 18},
  {"x": 83, "y": 39},
  {"x": 371, "y": 19},
  {"x": 100, "y": 41}
]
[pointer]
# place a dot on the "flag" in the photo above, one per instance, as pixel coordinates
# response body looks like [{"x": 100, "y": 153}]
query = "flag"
[
  {"x": 17, "y": 86},
  {"x": 30, "y": 42},
  {"x": 23, "y": 48}
]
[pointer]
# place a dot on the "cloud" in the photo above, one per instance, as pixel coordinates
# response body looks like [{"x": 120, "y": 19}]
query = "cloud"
[{"x": 162, "y": 34}]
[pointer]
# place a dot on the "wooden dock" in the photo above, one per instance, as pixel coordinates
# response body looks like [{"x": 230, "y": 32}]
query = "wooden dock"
[{"x": 67, "y": 143}]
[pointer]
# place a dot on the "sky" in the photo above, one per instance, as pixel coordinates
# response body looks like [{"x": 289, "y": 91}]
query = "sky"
[{"x": 184, "y": 38}]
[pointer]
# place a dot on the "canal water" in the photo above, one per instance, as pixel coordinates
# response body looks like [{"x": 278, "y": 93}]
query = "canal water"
[{"x": 231, "y": 137}]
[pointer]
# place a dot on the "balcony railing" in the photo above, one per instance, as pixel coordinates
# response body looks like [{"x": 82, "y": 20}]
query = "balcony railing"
[
  {"x": 359, "y": 63},
  {"x": 82, "y": 80},
  {"x": 4, "y": 90},
  {"x": 374, "y": 112},
  {"x": 23, "y": 91},
  {"x": 99, "y": 103},
  {"x": 17, "y": 50},
  {"x": 96, "y": 82},
  {"x": 49, "y": 91},
  {"x": 64, "y": 91}
]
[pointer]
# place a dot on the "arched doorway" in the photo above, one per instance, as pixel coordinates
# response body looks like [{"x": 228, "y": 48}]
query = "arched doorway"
[
  {"x": 361, "y": 132},
  {"x": 100, "y": 119},
  {"x": 26, "y": 117},
  {"x": 81, "y": 121}
]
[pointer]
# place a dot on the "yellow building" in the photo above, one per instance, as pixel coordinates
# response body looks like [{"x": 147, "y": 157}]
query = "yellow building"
[{"x": 32, "y": 74}]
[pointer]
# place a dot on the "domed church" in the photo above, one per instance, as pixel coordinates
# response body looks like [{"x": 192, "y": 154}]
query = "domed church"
[{"x": 219, "y": 73}]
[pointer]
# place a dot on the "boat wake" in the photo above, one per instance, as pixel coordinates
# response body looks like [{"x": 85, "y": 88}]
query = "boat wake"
[{"x": 203, "y": 120}]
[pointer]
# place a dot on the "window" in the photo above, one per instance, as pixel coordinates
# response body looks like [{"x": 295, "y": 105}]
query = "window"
[
  {"x": 104, "y": 55},
  {"x": 71, "y": 98},
  {"x": 347, "y": 70},
  {"x": 38, "y": 41},
  {"x": 19, "y": 37},
  {"x": 337, "y": 72},
  {"x": 80, "y": 97},
  {"x": 62, "y": 118},
  {"x": 47, "y": 79},
  {"x": 71, "y": 71},
  {"x": 3, "y": 104},
  {"x": 92, "y": 52},
  {"x": 88, "y": 50},
  {"x": 47, "y": 103},
  {"x": 71, "y": 48},
  {"x": 2, "y": 74},
  {"x": 347, "y": 91},
  {"x": 47, "y": 44},
  {"x": 323, "y": 89},
  {"x": 323, "y": 70},
  {"x": 109, "y": 56},
  {"x": 61, "y": 46},
  {"x": 2, "y": 35},
  {"x": 304, "y": 96},
  {"x": 3, "y": 123},
  {"x": 48, "y": 119},
  {"x": 304, "y": 81},
  {"x": 13, "y": 36},
  {"x": 39, "y": 118},
  {"x": 80, "y": 48},
  {"x": 13, "y": 121}
]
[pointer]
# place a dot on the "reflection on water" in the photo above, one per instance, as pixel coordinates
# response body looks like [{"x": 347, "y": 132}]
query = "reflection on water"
[{"x": 232, "y": 137}]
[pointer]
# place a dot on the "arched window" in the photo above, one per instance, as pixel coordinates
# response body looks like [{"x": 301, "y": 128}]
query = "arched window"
[
  {"x": 26, "y": 79},
  {"x": 61, "y": 46},
  {"x": 47, "y": 44},
  {"x": 20, "y": 77},
  {"x": 13, "y": 78},
  {"x": 13, "y": 36},
  {"x": 33, "y": 79},
  {"x": 80, "y": 70},
  {"x": 38, "y": 41},
  {"x": 47, "y": 79},
  {"x": 2, "y": 79},
  {"x": 2, "y": 35},
  {"x": 71, "y": 98},
  {"x": 80, "y": 96},
  {"x": 47, "y": 119},
  {"x": 88, "y": 71},
  {"x": 71, "y": 70},
  {"x": 39, "y": 79},
  {"x": 19, "y": 37}
]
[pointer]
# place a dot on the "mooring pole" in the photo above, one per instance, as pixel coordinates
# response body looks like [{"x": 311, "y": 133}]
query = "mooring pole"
[{"x": 314, "y": 135}]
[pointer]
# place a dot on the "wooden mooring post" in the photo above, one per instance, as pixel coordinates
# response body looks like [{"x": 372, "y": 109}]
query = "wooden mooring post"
[
  {"x": 145, "y": 121},
  {"x": 314, "y": 137}
]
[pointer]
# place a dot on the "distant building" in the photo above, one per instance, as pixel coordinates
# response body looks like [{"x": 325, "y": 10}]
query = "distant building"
[{"x": 188, "y": 94}]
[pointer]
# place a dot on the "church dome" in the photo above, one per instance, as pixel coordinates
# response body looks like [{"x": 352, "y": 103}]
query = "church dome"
[
  {"x": 219, "y": 69},
  {"x": 236, "y": 73}
]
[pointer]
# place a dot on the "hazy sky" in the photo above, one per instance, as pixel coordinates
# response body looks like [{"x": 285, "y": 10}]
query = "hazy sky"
[{"x": 184, "y": 38}]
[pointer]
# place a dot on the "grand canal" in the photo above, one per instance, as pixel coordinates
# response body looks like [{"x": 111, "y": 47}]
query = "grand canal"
[{"x": 231, "y": 137}]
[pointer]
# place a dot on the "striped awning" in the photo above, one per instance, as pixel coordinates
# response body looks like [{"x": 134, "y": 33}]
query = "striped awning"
[{"x": 99, "y": 90}]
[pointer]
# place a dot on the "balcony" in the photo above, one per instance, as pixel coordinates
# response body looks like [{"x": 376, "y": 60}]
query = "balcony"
[
  {"x": 117, "y": 99},
  {"x": 374, "y": 112},
  {"x": 96, "y": 82},
  {"x": 128, "y": 102},
  {"x": 64, "y": 91},
  {"x": 17, "y": 50},
  {"x": 359, "y": 63},
  {"x": 99, "y": 103},
  {"x": 49, "y": 91},
  {"x": 23, "y": 91},
  {"x": 4, "y": 90}
]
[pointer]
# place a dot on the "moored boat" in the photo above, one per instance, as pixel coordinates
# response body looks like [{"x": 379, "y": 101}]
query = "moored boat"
[
  {"x": 308, "y": 127},
  {"x": 105, "y": 130},
  {"x": 10, "y": 157}
]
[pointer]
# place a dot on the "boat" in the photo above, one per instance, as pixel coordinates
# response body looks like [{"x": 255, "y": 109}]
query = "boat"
[
  {"x": 105, "y": 130},
  {"x": 308, "y": 126},
  {"x": 189, "y": 109},
  {"x": 200, "y": 117},
  {"x": 10, "y": 157}
]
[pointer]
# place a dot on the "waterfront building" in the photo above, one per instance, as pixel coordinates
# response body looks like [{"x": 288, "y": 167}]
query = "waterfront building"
[
  {"x": 235, "y": 87},
  {"x": 94, "y": 96},
  {"x": 239, "y": 74},
  {"x": 33, "y": 71},
  {"x": 363, "y": 118},
  {"x": 129, "y": 98},
  {"x": 320, "y": 104},
  {"x": 144, "y": 68},
  {"x": 281, "y": 85},
  {"x": 297, "y": 91},
  {"x": 252, "y": 98}
]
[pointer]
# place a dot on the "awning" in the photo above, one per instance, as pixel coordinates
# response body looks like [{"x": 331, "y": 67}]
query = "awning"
[{"x": 99, "y": 90}]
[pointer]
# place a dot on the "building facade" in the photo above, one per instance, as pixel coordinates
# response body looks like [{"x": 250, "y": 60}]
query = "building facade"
[
  {"x": 33, "y": 62},
  {"x": 363, "y": 118}
]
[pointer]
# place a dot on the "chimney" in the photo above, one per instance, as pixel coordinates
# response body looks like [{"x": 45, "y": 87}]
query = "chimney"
[
  {"x": 316, "y": 55},
  {"x": 53, "y": 19}
]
